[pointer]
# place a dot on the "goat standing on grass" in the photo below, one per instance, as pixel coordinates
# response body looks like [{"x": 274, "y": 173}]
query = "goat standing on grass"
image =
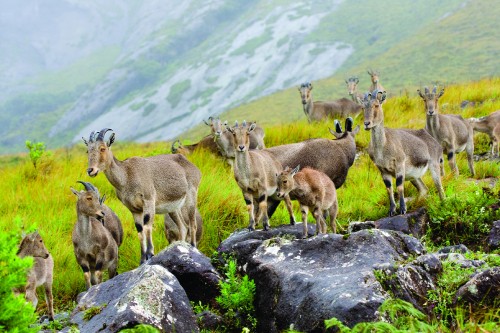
[
  {"x": 41, "y": 273},
  {"x": 352, "y": 89},
  {"x": 223, "y": 138},
  {"x": 374, "y": 77},
  {"x": 314, "y": 191},
  {"x": 332, "y": 157},
  {"x": 451, "y": 131},
  {"x": 490, "y": 125},
  {"x": 161, "y": 184},
  {"x": 403, "y": 154},
  {"x": 255, "y": 172},
  {"x": 317, "y": 111},
  {"x": 96, "y": 236}
]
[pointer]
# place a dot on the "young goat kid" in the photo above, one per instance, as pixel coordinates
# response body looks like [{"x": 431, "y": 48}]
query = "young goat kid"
[
  {"x": 41, "y": 273},
  {"x": 451, "y": 131},
  {"x": 314, "y": 191},
  {"x": 96, "y": 235},
  {"x": 255, "y": 172},
  {"x": 401, "y": 153}
]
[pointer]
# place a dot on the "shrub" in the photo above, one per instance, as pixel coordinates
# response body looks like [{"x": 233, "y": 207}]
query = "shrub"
[
  {"x": 16, "y": 315},
  {"x": 36, "y": 149},
  {"x": 236, "y": 299}
]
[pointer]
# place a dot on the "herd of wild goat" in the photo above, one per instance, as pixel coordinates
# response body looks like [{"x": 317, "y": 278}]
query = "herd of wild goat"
[{"x": 308, "y": 171}]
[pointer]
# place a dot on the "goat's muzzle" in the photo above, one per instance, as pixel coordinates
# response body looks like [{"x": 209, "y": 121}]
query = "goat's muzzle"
[
  {"x": 304, "y": 102},
  {"x": 430, "y": 112},
  {"x": 367, "y": 125},
  {"x": 46, "y": 255},
  {"x": 241, "y": 148},
  {"x": 92, "y": 172}
]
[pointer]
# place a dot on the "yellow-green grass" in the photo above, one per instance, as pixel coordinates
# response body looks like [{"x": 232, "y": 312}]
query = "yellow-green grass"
[{"x": 43, "y": 198}]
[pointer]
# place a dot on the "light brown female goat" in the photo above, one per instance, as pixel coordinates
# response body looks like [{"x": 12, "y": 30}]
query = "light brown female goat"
[
  {"x": 41, "y": 273},
  {"x": 161, "y": 184},
  {"x": 404, "y": 154},
  {"x": 352, "y": 89},
  {"x": 96, "y": 235},
  {"x": 374, "y": 77},
  {"x": 314, "y": 191},
  {"x": 255, "y": 172},
  {"x": 317, "y": 111},
  {"x": 490, "y": 125},
  {"x": 453, "y": 132}
]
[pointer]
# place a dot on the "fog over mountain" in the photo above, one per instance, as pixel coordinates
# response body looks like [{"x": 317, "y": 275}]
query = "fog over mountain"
[{"x": 153, "y": 69}]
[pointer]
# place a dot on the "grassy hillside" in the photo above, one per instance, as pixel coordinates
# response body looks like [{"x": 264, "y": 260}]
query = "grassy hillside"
[{"x": 41, "y": 197}]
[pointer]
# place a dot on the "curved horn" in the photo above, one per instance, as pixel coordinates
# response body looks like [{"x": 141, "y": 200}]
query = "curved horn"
[
  {"x": 434, "y": 90},
  {"x": 338, "y": 126},
  {"x": 102, "y": 133},
  {"x": 91, "y": 137},
  {"x": 88, "y": 186},
  {"x": 348, "y": 124}
]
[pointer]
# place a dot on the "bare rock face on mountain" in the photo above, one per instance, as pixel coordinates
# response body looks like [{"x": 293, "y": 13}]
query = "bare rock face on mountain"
[
  {"x": 304, "y": 282},
  {"x": 149, "y": 295},
  {"x": 192, "y": 268}
]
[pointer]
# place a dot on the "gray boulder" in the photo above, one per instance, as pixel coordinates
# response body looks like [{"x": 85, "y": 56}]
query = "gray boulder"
[
  {"x": 304, "y": 282},
  {"x": 149, "y": 295},
  {"x": 193, "y": 270},
  {"x": 494, "y": 236},
  {"x": 244, "y": 242},
  {"x": 482, "y": 289}
]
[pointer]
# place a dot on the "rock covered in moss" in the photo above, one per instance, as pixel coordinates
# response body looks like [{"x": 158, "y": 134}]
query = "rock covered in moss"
[
  {"x": 482, "y": 289},
  {"x": 149, "y": 295},
  {"x": 494, "y": 236},
  {"x": 193, "y": 269}
]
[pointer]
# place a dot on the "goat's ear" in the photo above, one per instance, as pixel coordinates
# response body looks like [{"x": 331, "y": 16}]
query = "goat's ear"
[
  {"x": 440, "y": 93},
  {"x": 355, "y": 131},
  {"x": 102, "y": 199},
  {"x": 347, "y": 82},
  {"x": 356, "y": 80},
  {"x": 75, "y": 192},
  {"x": 252, "y": 127},
  {"x": 296, "y": 169},
  {"x": 381, "y": 95},
  {"x": 111, "y": 139},
  {"x": 420, "y": 94},
  {"x": 85, "y": 141},
  {"x": 310, "y": 86},
  {"x": 206, "y": 123}
]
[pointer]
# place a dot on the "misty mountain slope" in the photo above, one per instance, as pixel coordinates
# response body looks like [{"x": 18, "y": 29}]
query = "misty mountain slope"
[{"x": 169, "y": 66}]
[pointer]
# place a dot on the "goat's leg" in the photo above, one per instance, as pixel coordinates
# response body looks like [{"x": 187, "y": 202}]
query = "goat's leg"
[
  {"x": 333, "y": 215},
  {"x": 86, "y": 273},
  {"x": 139, "y": 226},
  {"x": 250, "y": 208},
  {"x": 452, "y": 161},
  {"x": 388, "y": 185},
  {"x": 148, "y": 210},
  {"x": 305, "y": 211},
  {"x": 469, "y": 149},
  {"x": 320, "y": 223},
  {"x": 30, "y": 294},
  {"x": 190, "y": 206},
  {"x": 113, "y": 265},
  {"x": 272, "y": 204},
  {"x": 262, "y": 215},
  {"x": 420, "y": 186},
  {"x": 400, "y": 179},
  {"x": 179, "y": 222},
  {"x": 289, "y": 207},
  {"x": 436, "y": 178},
  {"x": 49, "y": 299}
]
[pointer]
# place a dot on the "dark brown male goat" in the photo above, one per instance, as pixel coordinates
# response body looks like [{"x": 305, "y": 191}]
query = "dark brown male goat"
[{"x": 161, "y": 184}]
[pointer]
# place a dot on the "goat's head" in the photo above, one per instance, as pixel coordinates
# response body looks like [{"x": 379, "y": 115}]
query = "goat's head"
[
  {"x": 431, "y": 100},
  {"x": 99, "y": 154},
  {"x": 216, "y": 126},
  {"x": 32, "y": 245},
  {"x": 285, "y": 181},
  {"x": 374, "y": 76},
  {"x": 305, "y": 92},
  {"x": 241, "y": 135},
  {"x": 372, "y": 108},
  {"x": 89, "y": 201},
  {"x": 352, "y": 84}
]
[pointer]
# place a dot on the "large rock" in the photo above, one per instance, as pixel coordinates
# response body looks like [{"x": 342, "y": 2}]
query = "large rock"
[
  {"x": 494, "y": 236},
  {"x": 244, "y": 242},
  {"x": 412, "y": 282},
  {"x": 149, "y": 295},
  {"x": 413, "y": 223},
  {"x": 482, "y": 289},
  {"x": 193, "y": 269},
  {"x": 304, "y": 282}
]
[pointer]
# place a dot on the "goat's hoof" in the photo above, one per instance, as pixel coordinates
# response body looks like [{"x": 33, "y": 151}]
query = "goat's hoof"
[
  {"x": 251, "y": 229},
  {"x": 266, "y": 228}
]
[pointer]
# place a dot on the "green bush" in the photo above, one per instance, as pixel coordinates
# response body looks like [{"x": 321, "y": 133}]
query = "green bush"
[
  {"x": 236, "y": 299},
  {"x": 36, "y": 149},
  {"x": 16, "y": 315}
]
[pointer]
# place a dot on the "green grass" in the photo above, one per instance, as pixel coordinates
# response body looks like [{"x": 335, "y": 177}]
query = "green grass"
[{"x": 43, "y": 198}]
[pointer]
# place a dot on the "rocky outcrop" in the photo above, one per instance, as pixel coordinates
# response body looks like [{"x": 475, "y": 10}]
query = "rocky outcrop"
[
  {"x": 192, "y": 268},
  {"x": 494, "y": 236},
  {"x": 413, "y": 223},
  {"x": 149, "y": 295},
  {"x": 482, "y": 289},
  {"x": 304, "y": 282}
]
